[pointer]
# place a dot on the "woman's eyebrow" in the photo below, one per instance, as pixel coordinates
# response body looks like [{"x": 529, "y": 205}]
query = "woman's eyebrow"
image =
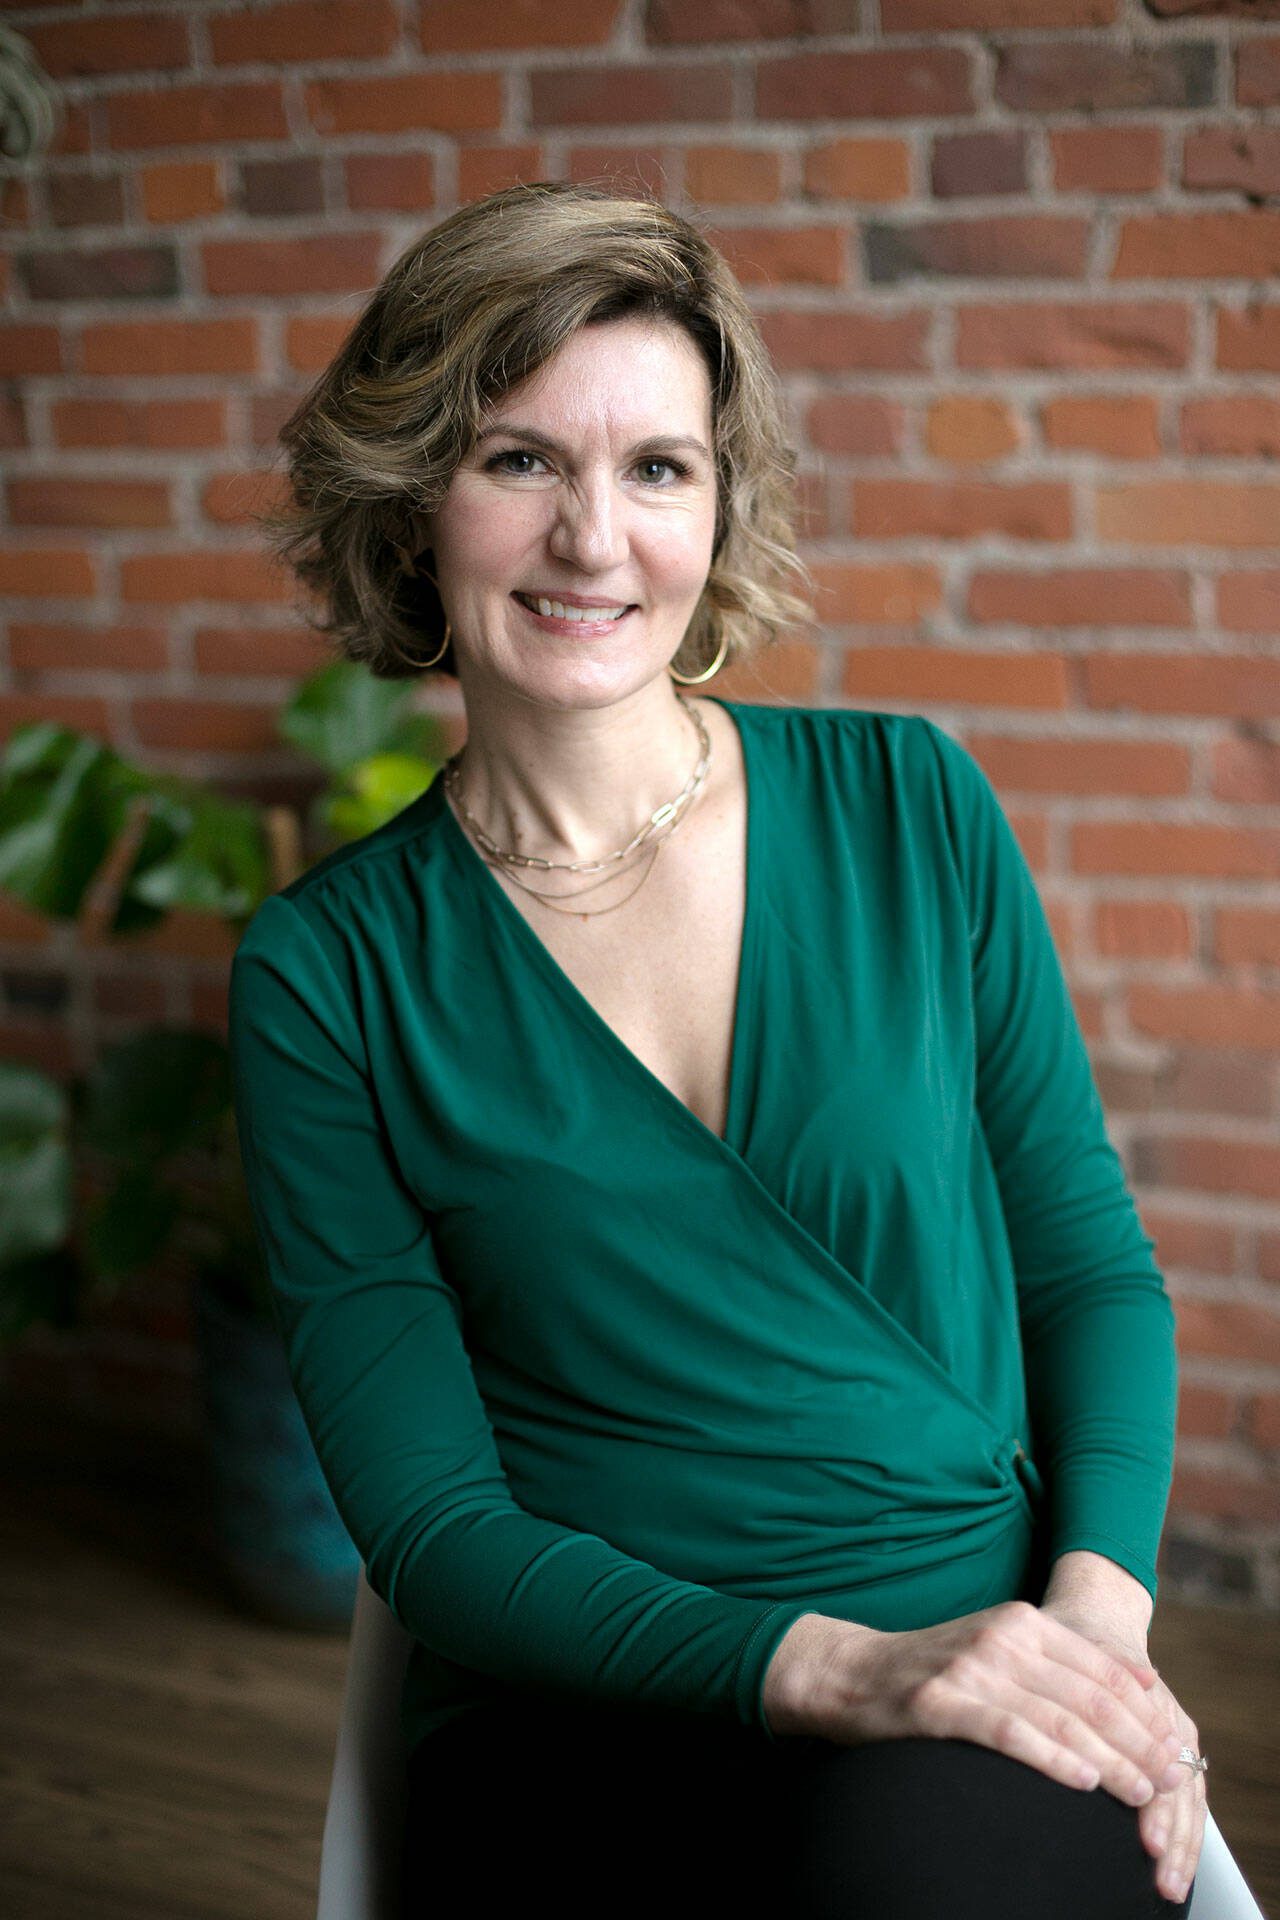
[{"x": 535, "y": 438}]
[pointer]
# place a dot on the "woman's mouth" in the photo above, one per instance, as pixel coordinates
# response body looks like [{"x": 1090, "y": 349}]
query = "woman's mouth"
[{"x": 554, "y": 616}]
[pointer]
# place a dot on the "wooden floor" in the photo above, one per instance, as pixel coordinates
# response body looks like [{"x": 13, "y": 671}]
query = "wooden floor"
[{"x": 162, "y": 1757}]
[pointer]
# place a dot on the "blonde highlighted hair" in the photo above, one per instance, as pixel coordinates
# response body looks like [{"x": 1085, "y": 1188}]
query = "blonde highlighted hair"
[{"x": 474, "y": 307}]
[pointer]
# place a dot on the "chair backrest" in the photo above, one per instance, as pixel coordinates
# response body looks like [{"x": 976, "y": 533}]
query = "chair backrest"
[{"x": 364, "y": 1821}]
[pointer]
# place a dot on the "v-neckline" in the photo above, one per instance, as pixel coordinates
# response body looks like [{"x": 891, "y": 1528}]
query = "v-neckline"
[{"x": 577, "y": 1001}]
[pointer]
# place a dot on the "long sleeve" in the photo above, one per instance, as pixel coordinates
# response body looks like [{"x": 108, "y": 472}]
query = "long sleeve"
[
  {"x": 374, "y": 1337},
  {"x": 1097, "y": 1324}
]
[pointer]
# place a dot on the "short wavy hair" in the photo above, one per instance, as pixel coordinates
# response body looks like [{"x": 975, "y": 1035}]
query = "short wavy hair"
[{"x": 474, "y": 307}]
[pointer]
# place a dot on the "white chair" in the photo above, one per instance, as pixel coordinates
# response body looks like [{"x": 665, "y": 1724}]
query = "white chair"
[{"x": 360, "y": 1852}]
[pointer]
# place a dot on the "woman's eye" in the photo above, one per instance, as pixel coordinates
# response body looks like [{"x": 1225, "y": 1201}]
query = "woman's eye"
[
  {"x": 671, "y": 466},
  {"x": 501, "y": 461}
]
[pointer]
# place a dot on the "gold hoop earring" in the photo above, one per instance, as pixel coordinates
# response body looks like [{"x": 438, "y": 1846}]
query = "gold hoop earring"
[
  {"x": 448, "y": 635},
  {"x": 696, "y": 679}
]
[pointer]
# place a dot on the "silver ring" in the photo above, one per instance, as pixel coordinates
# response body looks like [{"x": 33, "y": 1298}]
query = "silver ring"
[{"x": 1190, "y": 1758}]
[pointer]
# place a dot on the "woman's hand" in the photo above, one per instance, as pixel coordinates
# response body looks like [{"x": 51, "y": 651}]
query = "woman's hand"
[
  {"x": 1010, "y": 1677},
  {"x": 1172, "y": 1821}
]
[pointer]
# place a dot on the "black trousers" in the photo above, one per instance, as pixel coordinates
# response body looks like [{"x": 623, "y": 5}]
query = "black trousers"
[{"x": 592, "y": 1811}]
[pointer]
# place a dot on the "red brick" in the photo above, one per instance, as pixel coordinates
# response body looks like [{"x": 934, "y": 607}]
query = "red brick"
[
  {"x": 196, "y": 115},
  {"x": 1214, "y": 1079},
  {"x": 29, "y": 349},
  {"x": 1080, "y": 597},
  {"x": 1239, "y": 159},
  {"x": 306, "y": 263},
  {"x": 1092, "y": 334},
  {"x": 950, "y": 16},
  {"x": 672, "y": 22},
  {"x": 1119, "y": 159},
  {"x": 1264, "y": 1421},
  {"x": 1224, "y": 1495},
  {"x": 109, "y": 502},
  {"x": 153, "y": 424},
  {"x": 1054, "y": 76},
  {"x": 406, "y": 103},
  {"x": 1258, "y": 73},
  {"x": 389, "y": 182},
  {"x": 284, "y": 653},
  {"x": 311, "y": 340},
  {"x": 85, "y": 199},
  {"x": 203, "y": 726},
  {"x": 855, "y": 423},
  {"x": 847, "y": 342},
  {"x": 621, "y": 95},
  {"x": 293, "y": 185},
  {"x": 989, "y": 161},
  {"x": 1246, "y": 770},
  {"x": 736, "y": 176},
  {"x": 1199, "y": 512},
  {"x": 1162, "y": 847},
  {"x": 1249, "y": 338},
  {"x": 781, "y": 256},
  {"x": 460, "y": 26},
  {"x": 1243, "y": 425},
  {"x": 621, "y": 169},
  {"x": 60, "y": 573},
  {"x": 485, "y": 170},
  {"x": 235, "y": 498},
  {"x": 1268, "y": 1248},
  {"x": 1142, "y": 930},
  {"x": 185, "y": 190},
  {"x": 1250, "y": 602},
  {"x": 963, "y": 676},
  {"x": 1016, "y": 246},
  {"x": 1207, "y": 1413},
  {"x": 207, "y": 573},
  {"x": 910, "y": 83},
  {"x": 1201, "y": 1246},
  {"x": 145, "y": 272},
  {"x": 860, "y": 168},
  {"x": 1237, "y": 686},
  {"x": 1126, "y": 426},
  {"x": 1078, "y": 766},
  {"x": 1232, "y": 244},
  {"x": 327, "y": 30},
  {"x": 83, "y": 713},
  {"x": 894, "y": 509},
  {"x": 162, "y": 347},
  {"x": 111, "y": 43},
  {"x": 91, "y": 647},
  {"x": 1228, "y": 1329},
  {"x": 1247, "y": 936},
  {"x": 971, "y": 427},
  {"x": 869, "y": 596}
]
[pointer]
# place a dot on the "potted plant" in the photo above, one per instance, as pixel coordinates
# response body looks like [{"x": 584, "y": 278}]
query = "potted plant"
[{"x": 136, "y": 1161}]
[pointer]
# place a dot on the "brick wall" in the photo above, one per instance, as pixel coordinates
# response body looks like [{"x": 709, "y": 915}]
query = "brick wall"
[{"x": 1016, "y": 260}]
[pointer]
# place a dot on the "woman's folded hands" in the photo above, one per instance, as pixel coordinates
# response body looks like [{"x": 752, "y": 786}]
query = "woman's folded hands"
[{"x": 1060, "y": 1687}]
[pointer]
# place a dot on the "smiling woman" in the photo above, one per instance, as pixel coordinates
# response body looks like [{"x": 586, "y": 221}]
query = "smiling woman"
[{"x": 720, "y": 1314}]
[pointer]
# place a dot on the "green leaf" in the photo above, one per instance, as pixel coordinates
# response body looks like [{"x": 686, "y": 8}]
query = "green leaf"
[
  {"x": 35, "y": 1164},
  {"x": 62, "y": 803},
  {"x": 125, "y": 1229},
  {"x": 156, "y": 1094},
  {"x": 343, "y": 715},
  {"x": 374, "y": 792}
]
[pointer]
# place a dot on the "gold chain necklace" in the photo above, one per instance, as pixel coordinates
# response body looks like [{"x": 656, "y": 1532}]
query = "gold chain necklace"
[{"x": 657, "y": 828}]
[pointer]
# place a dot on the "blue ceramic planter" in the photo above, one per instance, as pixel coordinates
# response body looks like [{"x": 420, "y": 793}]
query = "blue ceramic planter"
[{"x": 279, "y": 1536}]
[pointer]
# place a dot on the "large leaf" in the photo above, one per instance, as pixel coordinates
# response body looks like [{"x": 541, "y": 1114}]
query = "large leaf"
[
  {"x": 63, "y": 800},
  {"x": 373, "y": 792},
  {"x": 124, "y": 1230},
  {"x": 157, "y": 1093},
  {"x": 220, "y": 864},
  {"x": 343, "y": 715},
  {"x": 35, "y": 1164}
]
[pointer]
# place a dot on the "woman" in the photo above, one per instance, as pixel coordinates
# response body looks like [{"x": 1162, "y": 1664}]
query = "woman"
[{"x": 717, "y": 1307}]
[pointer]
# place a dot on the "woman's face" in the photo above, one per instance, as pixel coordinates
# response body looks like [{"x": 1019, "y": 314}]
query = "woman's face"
[{"x": 592, "y": 486}]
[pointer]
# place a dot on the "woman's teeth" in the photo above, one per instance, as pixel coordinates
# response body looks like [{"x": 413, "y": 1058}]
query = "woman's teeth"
[{"x": 556, "y": 610}]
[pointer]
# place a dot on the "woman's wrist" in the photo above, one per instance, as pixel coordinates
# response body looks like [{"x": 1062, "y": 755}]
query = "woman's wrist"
[
  {"x": 1089, "y": 1583},
  {"x": 809, "y": 1675}
]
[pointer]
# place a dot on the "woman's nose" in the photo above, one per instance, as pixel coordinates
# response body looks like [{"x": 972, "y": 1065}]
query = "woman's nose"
[{"x": 589, "y": 529}]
